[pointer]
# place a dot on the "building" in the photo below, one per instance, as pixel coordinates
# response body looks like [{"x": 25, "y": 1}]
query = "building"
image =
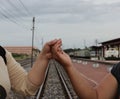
[
  {"x": 95, "y": 52},
  {"x": 22, "y": 50},
  {"x": 111, "y": 48}
]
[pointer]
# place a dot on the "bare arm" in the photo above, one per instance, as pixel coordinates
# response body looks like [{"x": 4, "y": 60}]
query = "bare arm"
[
  {"x": 28, "y": 83},
  {"x": 36, "y": 74},
  {"x": 81, "y": 86},
  {"x": 106, "y": 90}
]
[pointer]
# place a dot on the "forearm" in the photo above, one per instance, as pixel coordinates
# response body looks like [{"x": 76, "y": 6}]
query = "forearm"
[
  {"x": 81, "y": 86},
  {"x": 37, "y": 73}
]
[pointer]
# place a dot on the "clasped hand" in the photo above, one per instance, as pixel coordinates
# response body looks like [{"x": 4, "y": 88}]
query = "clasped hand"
[{"x": 53, "y": 50}]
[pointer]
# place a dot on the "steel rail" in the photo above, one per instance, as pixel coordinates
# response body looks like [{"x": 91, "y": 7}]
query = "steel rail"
[
  {"x": 63, "y": 82},
  {"x": 41, "y": 87},
  {"x": 62, "y": 79}
]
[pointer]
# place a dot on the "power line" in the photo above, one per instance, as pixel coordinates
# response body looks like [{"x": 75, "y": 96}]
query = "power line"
[
  {"x": 8, "y": 14},
  {"x": 8, "y": 18},
  {"x": 5, "y": 11},
  {"x": 15, "y": 7},
  {"x": 24, "y": 7},
  {"x": 2, "y": 12}
]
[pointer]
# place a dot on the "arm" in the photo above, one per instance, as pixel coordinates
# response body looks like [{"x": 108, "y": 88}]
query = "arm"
[
  {"x": 106, "y": 90},
  {"x": 36, "y": 74},
  {"x": 28, "y": 83}
]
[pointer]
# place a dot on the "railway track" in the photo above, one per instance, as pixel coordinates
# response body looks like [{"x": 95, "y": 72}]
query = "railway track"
[
  {"x": 25, "y": 62},
  {"x": 56, "y": 84}
]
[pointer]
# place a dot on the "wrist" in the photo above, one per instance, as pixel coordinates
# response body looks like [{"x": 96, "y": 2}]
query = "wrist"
[
  {"x": 43, "y": 56},
  {"x": 68, "y": 67}
]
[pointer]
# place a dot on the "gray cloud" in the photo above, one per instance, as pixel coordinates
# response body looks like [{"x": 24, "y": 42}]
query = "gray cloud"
[
  {"x": 74, "y": 11},
  {"x": 55, "y": 18},
  {"x": 63, "y": 11}
]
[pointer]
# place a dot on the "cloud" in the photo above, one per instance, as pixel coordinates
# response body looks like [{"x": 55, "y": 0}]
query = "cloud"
[
  {"x": 74, "y": 11},
  {"x": 60, "y": 18},
  {"x": 64, "y": 11}
]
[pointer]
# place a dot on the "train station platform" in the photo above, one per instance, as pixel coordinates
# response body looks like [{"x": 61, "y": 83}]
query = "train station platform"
[{"x": 94, "y": 72}]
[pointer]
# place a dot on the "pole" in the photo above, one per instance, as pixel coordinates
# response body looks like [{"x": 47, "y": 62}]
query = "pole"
[
  {"x": 32, "y": 40},
  {"x": 42, "y": 42},
  {"x": 84, "y": 43}
]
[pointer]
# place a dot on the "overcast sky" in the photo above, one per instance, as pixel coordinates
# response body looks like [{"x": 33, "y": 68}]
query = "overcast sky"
[{"x": 78, "y": 23}]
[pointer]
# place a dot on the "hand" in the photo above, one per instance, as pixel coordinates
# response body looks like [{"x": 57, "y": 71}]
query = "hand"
[
  {"x": 60, "y": 55},
  {"x": 46, "y": 51}
]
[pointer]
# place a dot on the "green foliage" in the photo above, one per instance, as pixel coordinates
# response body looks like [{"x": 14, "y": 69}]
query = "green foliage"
[{"x": 20, "y": 56}]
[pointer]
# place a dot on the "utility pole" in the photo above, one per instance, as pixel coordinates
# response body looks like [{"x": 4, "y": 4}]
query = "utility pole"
[
  {"x": 84, "y": 43},
  {"x": 96, "y": 42},
  {"x": 33, "y": 28},
  {"x": 42, "y": 42}
]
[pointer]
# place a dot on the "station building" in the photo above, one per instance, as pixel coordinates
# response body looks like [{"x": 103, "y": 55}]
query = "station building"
[
  {"x": 111, "y": 48},
  {"x": 108, "y": 50},
  {"x": 27, "y": 50}
]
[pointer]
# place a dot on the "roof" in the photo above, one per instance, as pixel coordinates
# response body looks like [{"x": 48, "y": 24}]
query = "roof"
[
  {"x": 29, "y": 47},
  {"x": 113, "y": 41},
  {"x": 20, "y": 49}
]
